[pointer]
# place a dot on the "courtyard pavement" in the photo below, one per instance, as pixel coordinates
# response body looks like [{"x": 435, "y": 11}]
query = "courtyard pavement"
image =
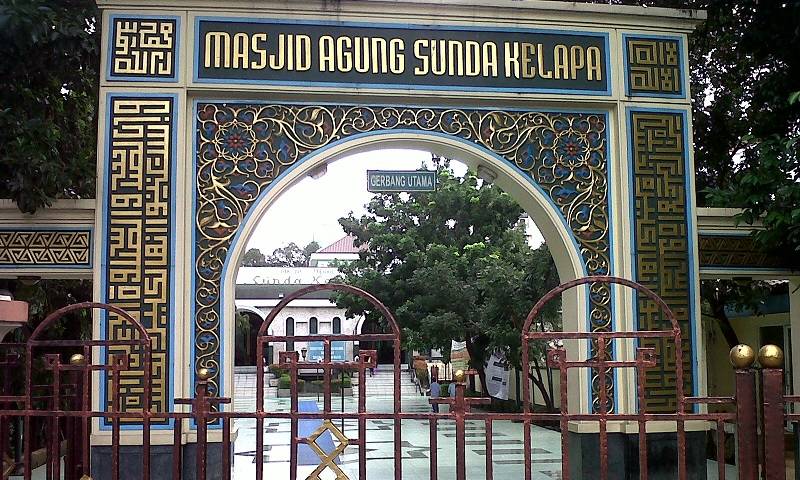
[{"x": 507, "y": 444}]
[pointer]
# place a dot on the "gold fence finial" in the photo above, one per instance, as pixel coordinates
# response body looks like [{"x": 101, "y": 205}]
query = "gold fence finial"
[
  {"x": 770, "y": 356},
  {"x": 742, "y": 356}
]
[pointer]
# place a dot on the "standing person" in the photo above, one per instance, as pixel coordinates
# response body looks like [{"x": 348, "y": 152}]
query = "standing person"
[
  {"x": 451, "y": 389},
  {"x": 436, "y": 392}
]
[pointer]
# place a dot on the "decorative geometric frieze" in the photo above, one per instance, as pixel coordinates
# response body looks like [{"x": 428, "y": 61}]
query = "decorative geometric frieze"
[
  {"x": 143, "y": 49},
  {"x": 45, "y": 247},
  {"x": 242, "y": 148},
  {"x": 653, "y": 66},
  {"x": 661, "y": 233},
  {"x": 735, "y": 251},
  {"x": 139, "y": 225}
]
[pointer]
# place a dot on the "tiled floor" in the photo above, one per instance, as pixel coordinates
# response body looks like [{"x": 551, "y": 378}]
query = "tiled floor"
[
  {"x": 415, "y": 442},
  {"x": 507, "y": 445}
]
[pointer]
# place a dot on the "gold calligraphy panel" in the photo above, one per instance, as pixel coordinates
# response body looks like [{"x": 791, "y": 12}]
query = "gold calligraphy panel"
[
  {"x": 654, "y": 66},
  {"x": 45, "y": 247},
  {"x": 139, "y": 229},
  {"x": 661, "y": 232},
  {"x": 143, "y": 49}
]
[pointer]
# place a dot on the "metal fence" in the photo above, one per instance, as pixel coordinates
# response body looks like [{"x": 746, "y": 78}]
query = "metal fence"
[{"x": 50, "y": 408}]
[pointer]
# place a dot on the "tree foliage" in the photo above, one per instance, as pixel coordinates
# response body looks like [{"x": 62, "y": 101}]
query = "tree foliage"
[
  {"x": 48, "y": 100},
  {"x": 769, "y": 192},
  {"x": 46, "y": 296},
  {"x": 287, "y": 256},
  {"x": 253, "y": 258},
  {"x": 452, "y": 265}
]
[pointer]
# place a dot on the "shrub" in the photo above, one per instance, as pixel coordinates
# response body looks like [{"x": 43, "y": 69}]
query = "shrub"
[
  {"x": 347, "y": 382},
  {"x": 276, "y": 370},
  {"x": 284, "y": 381}
]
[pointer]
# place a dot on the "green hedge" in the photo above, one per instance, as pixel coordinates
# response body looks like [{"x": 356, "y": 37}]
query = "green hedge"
[{"x": 284, "y": 381}]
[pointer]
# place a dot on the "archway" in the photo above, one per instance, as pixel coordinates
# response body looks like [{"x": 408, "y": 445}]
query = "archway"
[
  {"x": 568, "y": 200},
  {"x": 248, "y": 321}
]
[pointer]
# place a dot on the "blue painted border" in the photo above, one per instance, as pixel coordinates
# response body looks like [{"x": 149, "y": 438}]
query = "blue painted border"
[
  {"x": 681, "y": 51},
  {"x": 393, "y": 86},
  {"x": 319, "y": 151},
  {"x": 143, "y": 78},
  {"x": 42, "y": 228},
  {"x": 110, "y": 96},
  {"x": 690, "y": 209}
]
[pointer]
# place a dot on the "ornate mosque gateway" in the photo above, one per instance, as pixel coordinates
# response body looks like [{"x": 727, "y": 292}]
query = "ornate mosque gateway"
[{"x": 581, "y": 112}]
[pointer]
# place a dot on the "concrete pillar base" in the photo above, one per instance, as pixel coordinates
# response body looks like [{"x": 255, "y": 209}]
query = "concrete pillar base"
[
  {"x": 130, "y": 462},
  {"x": 623, "y": 455}
]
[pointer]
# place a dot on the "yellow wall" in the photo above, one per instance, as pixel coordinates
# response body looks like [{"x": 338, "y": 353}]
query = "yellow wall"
[{"x": 720, "y": 372}]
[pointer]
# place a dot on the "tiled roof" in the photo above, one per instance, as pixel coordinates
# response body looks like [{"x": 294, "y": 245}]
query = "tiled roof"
[{"x": 343, "y": 245}]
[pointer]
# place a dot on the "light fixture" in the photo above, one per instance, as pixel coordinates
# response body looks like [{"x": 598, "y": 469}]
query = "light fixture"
[
  {"x": 303, "y": 352},
  {"x": 486, "y": 174},
  {"x": 319, "y": 171}
]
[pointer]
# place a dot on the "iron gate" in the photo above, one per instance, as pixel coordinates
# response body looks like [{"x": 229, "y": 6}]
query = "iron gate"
[{"x": 51, "y": 407}]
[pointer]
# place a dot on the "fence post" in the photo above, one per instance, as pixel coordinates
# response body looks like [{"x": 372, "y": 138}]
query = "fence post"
[
  {"x": 771, "y": 359},
  {"x": 742, "y": 358}
]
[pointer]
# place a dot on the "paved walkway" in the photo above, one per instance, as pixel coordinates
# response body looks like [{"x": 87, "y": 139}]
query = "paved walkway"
[
  {"x": 415, "y": 446},
  {"x": 507, "y": 445}
]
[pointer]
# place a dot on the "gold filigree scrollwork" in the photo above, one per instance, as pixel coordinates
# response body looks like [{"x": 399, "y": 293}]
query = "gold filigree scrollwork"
[{"x": 242, "y": 148}]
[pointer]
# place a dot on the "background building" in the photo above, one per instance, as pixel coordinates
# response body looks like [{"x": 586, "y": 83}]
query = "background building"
[{"x": 259, "y": 289}]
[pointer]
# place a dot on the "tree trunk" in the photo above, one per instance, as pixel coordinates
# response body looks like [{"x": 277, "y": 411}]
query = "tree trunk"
[
  {"x": 718, "y": 313},
  {"x": 538, "y": 381},
  {"x": 477, "y": 365}
]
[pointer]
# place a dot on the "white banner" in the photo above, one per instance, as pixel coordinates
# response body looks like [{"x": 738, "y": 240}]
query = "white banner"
[
  {"x": 459, "y": 356},
  {"x": 497, "y": 375}
]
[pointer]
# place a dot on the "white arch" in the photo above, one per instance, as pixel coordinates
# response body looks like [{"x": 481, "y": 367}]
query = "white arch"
[{"x": 549, "y": 220}]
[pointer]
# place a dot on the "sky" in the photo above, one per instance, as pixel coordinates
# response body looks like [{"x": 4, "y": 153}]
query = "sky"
[{"x": 309, "y": 210}]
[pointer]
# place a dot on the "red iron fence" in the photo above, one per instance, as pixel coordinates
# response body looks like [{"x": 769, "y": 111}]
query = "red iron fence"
[{"x": 50, "y": 409}]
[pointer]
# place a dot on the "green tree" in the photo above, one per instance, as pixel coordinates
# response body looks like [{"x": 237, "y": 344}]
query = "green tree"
[
  {"x": 46, "y": 296},
  {"x": 768, "y": 190},
  {"x": 291, "y": 255},
  {"x": 48, "y": 100},
  {"x": 452, "y": 265},
  {"x": 253, "y": 258},
  {"x": 309, "y": 250}
]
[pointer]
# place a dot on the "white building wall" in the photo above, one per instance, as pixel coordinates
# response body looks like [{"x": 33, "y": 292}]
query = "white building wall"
[{"x": 301, "y": 314}]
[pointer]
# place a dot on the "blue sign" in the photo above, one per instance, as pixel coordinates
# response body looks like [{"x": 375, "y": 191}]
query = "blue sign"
[{"x": 316, "y": 351}]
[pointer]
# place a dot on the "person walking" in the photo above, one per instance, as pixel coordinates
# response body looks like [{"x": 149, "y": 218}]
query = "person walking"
[{"x": 436, "y": 392}]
